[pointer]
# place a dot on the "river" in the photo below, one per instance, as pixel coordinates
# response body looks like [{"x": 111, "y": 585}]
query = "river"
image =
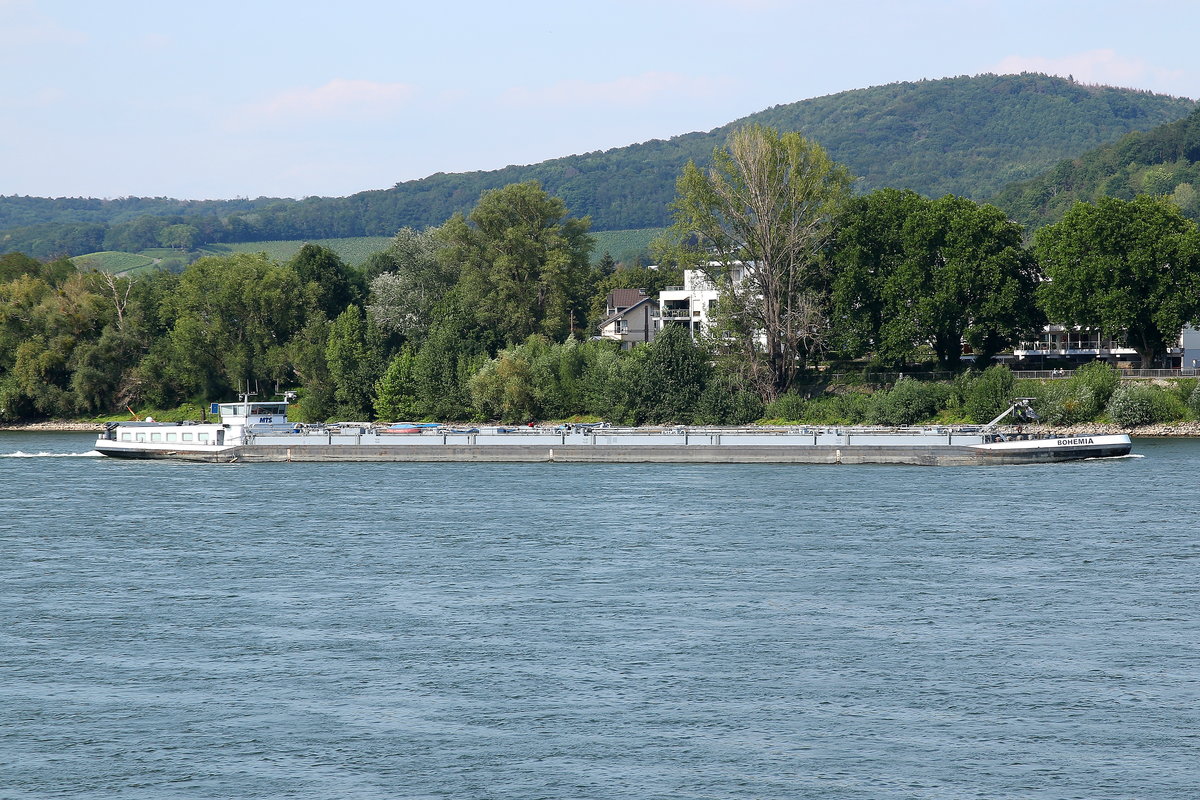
[{"x": 597, "y": 631}]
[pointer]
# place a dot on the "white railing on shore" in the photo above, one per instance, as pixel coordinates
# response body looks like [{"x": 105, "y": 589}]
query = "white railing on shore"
[
  {"x": 1142, "y": 374},
  {"x": 1037, "y": 374}
]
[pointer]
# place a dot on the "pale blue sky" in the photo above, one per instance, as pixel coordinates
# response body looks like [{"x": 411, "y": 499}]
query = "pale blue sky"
[{"x": 223, "y": 99}]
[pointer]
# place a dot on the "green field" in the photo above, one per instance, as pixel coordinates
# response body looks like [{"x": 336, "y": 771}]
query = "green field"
[
  {"x": 628, "y": 247},
  {"x": 113, "y": 261}
]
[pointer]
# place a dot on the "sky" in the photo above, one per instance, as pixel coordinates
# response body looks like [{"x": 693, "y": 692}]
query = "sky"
[{"x": 220, "y": 100}]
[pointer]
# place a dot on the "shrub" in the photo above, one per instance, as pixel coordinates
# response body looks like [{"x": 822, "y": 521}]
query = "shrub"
[
  {"x": 789, "y": 407},
  {"x": 721, "y": 404},
  {"x": 851, "y": 408},
  {"x": 989, "y": 394},
  {"x": 908, "y": 402},
  {"x": 1193, "y": 401},
  {"x": 747, "y": 407},
  {"x": 1101, "y": 378},
  {"x": 1080, "y": 398},
  {"x": 1143, "y": 404}
]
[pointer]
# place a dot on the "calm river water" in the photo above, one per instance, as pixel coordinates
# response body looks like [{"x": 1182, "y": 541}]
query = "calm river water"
[{"x": 597, "y": 631}]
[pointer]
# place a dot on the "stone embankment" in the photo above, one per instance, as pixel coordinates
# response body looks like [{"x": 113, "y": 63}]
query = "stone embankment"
[
  {"x": 1096, "y": 429},
  {"x": 56, "y": 425}
]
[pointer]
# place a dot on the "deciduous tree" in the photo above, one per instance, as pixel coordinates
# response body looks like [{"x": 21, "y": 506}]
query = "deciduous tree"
[
  {"x": 523, "y": 261},
  {"x": 1131, "y": 268},
  {"x": 765, "y": 207}
]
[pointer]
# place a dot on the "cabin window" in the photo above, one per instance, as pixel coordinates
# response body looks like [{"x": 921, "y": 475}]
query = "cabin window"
[
  {"x": 187, "y": 437},
  {"x": 171, "y": 437},
  {"x": 141, "y": 437},
  {"x": 126, "y": 437},
  {"x": 202, "y": 438},
  {"x": 156, "y": 437}
]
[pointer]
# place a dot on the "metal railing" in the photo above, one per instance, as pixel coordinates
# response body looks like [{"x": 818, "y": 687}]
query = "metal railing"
[
  {"x": 1144, "y": 374},
  {"x": 883, "y": 378}
]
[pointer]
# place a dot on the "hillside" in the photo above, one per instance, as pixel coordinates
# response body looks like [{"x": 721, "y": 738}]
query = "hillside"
[
  {"x": 965, "y": 135},
  {"x": 1164, "y": 160}
]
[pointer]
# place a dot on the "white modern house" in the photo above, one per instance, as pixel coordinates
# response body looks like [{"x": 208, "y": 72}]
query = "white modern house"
[
  {"x": 693, "y": 303},
  {"x": 1080, "y": 344}
]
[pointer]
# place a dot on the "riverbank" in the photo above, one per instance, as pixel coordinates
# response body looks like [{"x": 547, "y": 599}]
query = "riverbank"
[
  {"x": 63, "y": 426},
  {"x": 1180, "y": 429}
]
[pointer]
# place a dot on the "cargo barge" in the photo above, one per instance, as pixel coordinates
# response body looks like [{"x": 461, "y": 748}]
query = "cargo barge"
[{"x": 249, "y": 432}]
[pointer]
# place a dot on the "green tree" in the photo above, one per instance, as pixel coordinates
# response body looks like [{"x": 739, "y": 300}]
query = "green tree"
[
  {"x": 869, "y": 253},
  {"x": 231, "y": 317},
  {"x": 395, "y": 395},
  {"x": 14, "y": 265},
  {"x": 1130, "y": 268},
  {"x": 909, "y": 272},
  {"x": 310, "y": 368},
  {"x": 180, "y": 237},
  {"x": 966, "y": 277},
  {"x": 402, "y": 299},
  {"x": 764, "y": 212},
  {"x": 523, "y": 262},
  {"x": 989, "y": 393},
  {"x": 329, "y": 283},
  {"x": 674, "y": 372},
  {"x": 354, "y": 364},
  {"x": 450, "y": 355}
]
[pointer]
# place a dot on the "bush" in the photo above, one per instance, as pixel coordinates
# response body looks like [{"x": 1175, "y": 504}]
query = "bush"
[
  {"x": 789, "y": 407},
  {"x": 1101, "y": 378},
  {"x": 986, "y": 396},
  {"x": 1080, "y": 398},
  {"x": 908, "y": 402},
  {"x": 722, "y": 405},
  {"x": 851, "y": 408},
  {"x": 1143, "y": 404},
  {"x": 1193, "y": 401}
]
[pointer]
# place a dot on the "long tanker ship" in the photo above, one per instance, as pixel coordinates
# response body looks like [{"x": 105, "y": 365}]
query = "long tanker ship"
[{"x": 248, "y": 432}]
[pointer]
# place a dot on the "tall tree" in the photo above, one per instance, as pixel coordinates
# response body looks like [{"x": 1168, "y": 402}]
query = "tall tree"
[
  {"x": 868, "y": 253},
  {"x": 402, "y": 299},
  {"x": 233, "y": 317},
  {"x": 910, "y": 273},
  {"x": 330, "y": 284},
  {"x": 523, "y": 261},
  {"x": 677, "y": 372},
  {"x": 354, "y": 364},
  {"x": 763, "y": 211},
  {"x": 966, "y": 277},
  {"x": 1131, "y": 268}
]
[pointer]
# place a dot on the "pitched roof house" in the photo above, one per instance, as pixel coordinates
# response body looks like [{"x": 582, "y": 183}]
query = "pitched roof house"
[{"x": 630, "y": 317}]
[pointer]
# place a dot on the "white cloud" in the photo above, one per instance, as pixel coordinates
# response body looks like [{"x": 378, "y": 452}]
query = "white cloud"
[
  {"x": 1105, "y": 67},
  {"x": 338, "y": 99},
  {"x": 628, "y": 92}
]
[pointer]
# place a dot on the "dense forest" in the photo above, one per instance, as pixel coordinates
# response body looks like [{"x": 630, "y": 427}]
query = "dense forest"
[
  {"x": 968, "y": 136},
  {"x": 1161, "y": 161}
]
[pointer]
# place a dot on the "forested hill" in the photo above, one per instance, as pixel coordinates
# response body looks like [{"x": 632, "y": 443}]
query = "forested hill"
[
  {"x": 1165, "y": 160},
  {"x": 965, "y": 135}
]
